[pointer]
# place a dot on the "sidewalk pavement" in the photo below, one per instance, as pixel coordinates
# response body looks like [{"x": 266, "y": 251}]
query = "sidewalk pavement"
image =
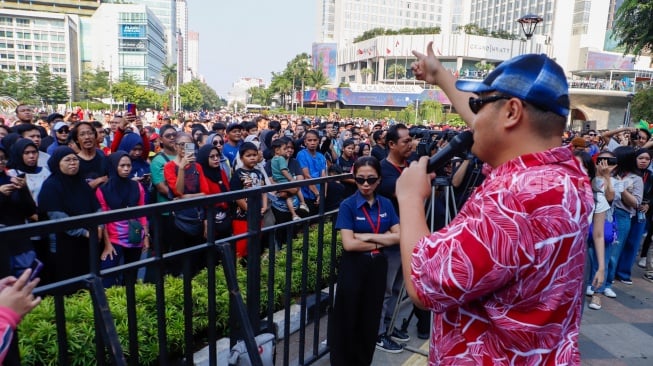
[{"x": 620, "y": 334}]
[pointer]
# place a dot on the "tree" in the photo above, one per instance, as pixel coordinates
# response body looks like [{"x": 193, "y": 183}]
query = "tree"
[
  {"x": 262, "y": 96},
  {"x": 318, "y": 80},
  {"x": 169, "y": 73},
  {"x": 210, "y": 99},
  {"x": 640, "y": 106},
  {"x": 25, "y": 88},
  {"x": 396, "y": 71},
  {"x": 191, "y": 97},
  {"x": 44, "y": 85},
  {"x": 634, "y": 26},
  {"x": 365, "y": 73},
  {"x": 59, "y": 94}
]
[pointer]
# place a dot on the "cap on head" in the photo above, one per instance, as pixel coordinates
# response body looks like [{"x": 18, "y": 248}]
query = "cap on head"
[
  {"x": 60, "y": 125},
  {"x": 536, "y": 79},
  {"x": 54, "y": 116},
  {"x": 233, "y": 126}
]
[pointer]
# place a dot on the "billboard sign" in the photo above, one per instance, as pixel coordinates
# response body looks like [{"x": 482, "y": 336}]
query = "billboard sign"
[{"x": 132, "y": 31}]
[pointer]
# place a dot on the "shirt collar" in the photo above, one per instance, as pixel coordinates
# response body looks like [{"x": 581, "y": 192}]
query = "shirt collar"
[
  {"x": 562, "y": 155},
  {"x": 360, "y": 200}
]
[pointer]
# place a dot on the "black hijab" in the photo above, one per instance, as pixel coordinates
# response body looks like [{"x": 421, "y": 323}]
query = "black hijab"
[
  {"x": 119, "y": 192},
  {"x": 216, "y": 175},
  {"x": 66, "y": 193},
  {"x": 17, "y": 162},
  {"x": 9, "y": 140}
]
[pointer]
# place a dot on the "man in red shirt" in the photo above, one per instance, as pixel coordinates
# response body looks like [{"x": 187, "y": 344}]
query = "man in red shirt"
[{"x": 504, "y": 279}]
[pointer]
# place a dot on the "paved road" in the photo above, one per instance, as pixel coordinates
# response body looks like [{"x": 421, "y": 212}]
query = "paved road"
[{"x": 621, "y": 333}]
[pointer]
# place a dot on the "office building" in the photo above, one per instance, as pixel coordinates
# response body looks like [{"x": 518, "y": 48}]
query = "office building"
[
  {"x": 166, "y": 11},
  {"x": 70, "y": 7},
  {"x": 193, "y": 69},
  {"x": 129, "y": 39},
  {"x": 29, "y": 39},
  {"x": 341, "y": 21},
  {"x": 182, "y": 27}
]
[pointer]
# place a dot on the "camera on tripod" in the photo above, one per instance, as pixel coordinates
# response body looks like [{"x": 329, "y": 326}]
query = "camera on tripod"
[{"x": 429, "y": 139}]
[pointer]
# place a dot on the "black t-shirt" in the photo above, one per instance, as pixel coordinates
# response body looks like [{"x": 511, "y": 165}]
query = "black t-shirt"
[
  {"x": 237, "y": 183},
  {"x": 94, "y": 168},
  {"x": 389, "y": 175}
]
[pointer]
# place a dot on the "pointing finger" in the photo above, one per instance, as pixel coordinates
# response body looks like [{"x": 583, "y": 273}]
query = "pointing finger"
[{"x": 429, "y": 49}]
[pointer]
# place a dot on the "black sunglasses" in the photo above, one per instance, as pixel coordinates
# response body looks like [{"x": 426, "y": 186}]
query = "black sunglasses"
[
  {"x": 369, "y": 180},
  {"x": 475, "y": 104},
  {"x": 216, "y": 143},
  {"x": 63, "y": 130}
]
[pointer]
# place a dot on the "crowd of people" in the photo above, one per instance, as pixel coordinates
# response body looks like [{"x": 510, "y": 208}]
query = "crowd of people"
[{"x": 513, "y": 255}]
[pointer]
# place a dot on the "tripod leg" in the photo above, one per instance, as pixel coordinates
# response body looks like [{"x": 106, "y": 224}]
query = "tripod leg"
[{"x": 391, "y": 326}]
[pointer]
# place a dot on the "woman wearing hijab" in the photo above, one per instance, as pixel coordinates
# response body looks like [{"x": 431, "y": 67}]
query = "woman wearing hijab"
[
  {"x": 133, "y": 145},
  {"x": 16, "y": 205},
  {"x": 64, "y": 194},
  {"x": 218, "y": 141},
  {"x": 124, "y": 240},
  {"x": 24, "y": 162},
  {"x": 209, "y": 158}
]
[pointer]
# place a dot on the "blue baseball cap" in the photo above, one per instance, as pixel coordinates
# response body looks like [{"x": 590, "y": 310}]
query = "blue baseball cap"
[{"x": 536, "y": 79}]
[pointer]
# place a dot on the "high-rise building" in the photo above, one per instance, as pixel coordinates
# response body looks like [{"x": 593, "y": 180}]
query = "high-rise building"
[
  {"x": 343, "y": 20},
  {"x": 193, "y": 69},
  {"x": 182, "y": 27},
  {"x": 29, "y": 39},
  {"x": 76, "y": 7},
  {"x": 166, "y": 11},
  {"x": 129, "y": 39}
]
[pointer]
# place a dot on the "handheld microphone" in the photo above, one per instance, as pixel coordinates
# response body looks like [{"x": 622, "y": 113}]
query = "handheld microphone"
[{"x": 463, "y": 141}]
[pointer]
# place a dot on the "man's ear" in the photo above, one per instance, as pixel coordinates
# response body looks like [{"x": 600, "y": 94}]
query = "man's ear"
[{"x": 513, "y": 112}]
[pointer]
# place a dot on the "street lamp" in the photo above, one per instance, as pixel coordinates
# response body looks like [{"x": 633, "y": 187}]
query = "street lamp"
[
  {"x": 528, "y": 23},
  {"x": 416, "y": 107}
]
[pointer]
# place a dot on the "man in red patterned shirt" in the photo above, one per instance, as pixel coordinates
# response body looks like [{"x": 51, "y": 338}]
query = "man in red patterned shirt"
[{"x": 505, "y": 277}]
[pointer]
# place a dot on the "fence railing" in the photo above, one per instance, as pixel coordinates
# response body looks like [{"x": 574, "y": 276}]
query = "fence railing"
[{"x": 245, "y": 317}]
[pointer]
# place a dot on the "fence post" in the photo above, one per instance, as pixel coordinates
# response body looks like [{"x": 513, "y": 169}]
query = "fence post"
[{"x": 254, "y": 258}]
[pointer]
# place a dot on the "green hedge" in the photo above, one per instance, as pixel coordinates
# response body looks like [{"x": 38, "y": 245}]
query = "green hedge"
[{"x": 38, "y": 336}]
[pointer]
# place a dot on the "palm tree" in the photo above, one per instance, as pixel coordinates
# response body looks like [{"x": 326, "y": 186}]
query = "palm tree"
[
  {"x": 317, "y": 80},
  {"x": 365, "y": 73},
  {"x": 396, "y": 71},
  {"x": 169, "y": 74}
]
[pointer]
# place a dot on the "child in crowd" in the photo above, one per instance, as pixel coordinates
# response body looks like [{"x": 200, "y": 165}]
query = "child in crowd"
[
  {"x": 248, "y": 176},
  {"x": 280, "y": 174}
]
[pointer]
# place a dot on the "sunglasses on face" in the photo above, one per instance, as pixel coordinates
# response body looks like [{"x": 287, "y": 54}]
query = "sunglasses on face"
[
  {"x": 475, "y": 104},
  {"x": 63, "y": 130},
  {"x": 170, "y": 136},
  {"x": 369, "y": 180},
  {"x": 217, "y": 142}
]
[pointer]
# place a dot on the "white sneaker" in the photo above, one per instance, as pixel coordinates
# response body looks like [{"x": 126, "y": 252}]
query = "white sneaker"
[
  {"x": 609, "y": 293},
  {"x": 589, "y": 291},
  {"x": 642, "y": 262},
  {"x": 595, "y": 303}
]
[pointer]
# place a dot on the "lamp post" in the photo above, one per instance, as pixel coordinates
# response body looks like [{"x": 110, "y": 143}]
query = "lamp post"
[
  {"x": 416, "y": 107},
  {"x": 528, "y": 23}
]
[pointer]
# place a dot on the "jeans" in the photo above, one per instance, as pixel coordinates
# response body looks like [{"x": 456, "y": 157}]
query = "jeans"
[
  {"x": 630, "y": 249},
  {"x": 594, "y": 264},
  {"x": 623, "y": 221}
]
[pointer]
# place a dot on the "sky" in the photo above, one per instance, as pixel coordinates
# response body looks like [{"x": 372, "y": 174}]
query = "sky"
[{"x": 249, "y": 38}]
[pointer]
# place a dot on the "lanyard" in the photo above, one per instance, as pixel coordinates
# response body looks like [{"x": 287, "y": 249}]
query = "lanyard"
[{"x": 376, "y": 228}]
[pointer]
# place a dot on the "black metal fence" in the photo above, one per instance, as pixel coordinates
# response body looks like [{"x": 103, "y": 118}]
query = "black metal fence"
[{"x": 246, "y": 319}]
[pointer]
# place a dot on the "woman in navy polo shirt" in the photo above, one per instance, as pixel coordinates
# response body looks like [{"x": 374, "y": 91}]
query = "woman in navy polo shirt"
[{"x": 367, "y": 223}]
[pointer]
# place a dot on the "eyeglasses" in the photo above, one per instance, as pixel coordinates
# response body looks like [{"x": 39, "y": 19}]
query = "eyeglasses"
[
  {"x": 170, "y": 136},
  {"x": 63, "y": 130},
  {"x": 475, "y": 104},
  {"x": 217, "y": 142},
  {"x": 214, "y": 157},
  {"x": 369, "y": 180}
]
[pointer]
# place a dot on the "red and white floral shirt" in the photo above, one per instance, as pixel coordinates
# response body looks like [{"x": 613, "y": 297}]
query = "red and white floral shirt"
[{"x": 505, "y": 278}]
